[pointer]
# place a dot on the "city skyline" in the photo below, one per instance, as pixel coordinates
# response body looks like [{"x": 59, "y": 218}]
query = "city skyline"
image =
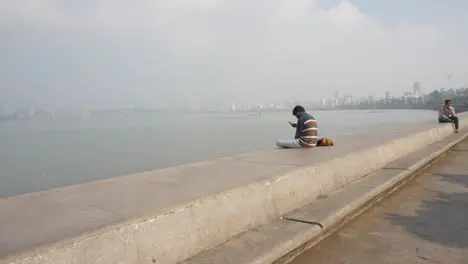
[{"x": 416, "y": 96}]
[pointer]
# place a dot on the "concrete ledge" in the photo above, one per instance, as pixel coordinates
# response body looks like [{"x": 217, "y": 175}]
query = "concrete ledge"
[
  {"x": 169, "y": 215},
  {"x": 283, "y": 239}
]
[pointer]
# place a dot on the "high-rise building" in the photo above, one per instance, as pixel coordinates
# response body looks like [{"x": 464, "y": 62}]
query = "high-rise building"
[
  {"x": 416, "y": 89},
  {"x": 348, "y": 100},
  {"x": 388, "y": 97},
  {"x": 336, "y": 99},
  {"x": 324, "y": 102}
]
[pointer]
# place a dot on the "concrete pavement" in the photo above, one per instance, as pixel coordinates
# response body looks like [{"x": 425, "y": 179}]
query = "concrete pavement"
[
  {"x": 424, "y": 222},
  {"x": 168, "y": 215}
]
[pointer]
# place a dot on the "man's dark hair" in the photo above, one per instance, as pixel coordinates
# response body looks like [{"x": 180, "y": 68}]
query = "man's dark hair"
[
  {"x": 448, "y": 101},
  {"x": 298, "y": 109}
]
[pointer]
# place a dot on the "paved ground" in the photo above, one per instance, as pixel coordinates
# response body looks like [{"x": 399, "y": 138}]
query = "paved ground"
[
  {"x": 426, "y": 222},
  {"x": 35, "y": 219}
]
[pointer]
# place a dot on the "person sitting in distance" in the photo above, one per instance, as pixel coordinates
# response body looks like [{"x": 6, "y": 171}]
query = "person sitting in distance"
[
  {"x": 447, "y": 114},
  {"x": 306, "y": 135}
]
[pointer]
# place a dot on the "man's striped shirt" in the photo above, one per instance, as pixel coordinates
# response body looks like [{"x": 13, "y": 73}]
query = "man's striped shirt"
[{"x": 308, "y": 130}]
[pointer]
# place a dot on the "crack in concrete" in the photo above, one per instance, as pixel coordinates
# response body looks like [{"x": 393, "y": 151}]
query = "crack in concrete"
[
  {"x": 303, "y": 221},
  {"x": 424, "y": 258},
  {"x": 395, "y": 168}
]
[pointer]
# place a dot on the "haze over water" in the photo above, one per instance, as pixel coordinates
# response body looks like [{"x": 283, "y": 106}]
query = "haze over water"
[{"x": 38, "y": 155}]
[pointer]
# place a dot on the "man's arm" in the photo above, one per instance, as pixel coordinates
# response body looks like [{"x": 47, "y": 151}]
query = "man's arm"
[
  {"x": 299, "y": 126},
  {"x": 452, "y": 110},
  {"x": 445, "y": 111}
]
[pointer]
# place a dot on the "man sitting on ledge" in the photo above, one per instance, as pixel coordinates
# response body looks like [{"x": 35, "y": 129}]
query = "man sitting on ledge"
[
  {"x": 306, "y": 131},
  {"x": 447, "y": 114}
]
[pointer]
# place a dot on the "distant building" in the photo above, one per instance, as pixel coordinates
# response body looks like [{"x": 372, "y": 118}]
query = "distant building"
[
  {"x": 387, "y": 96},
  {"x": 324, "y": 102},
  {"x": 336, "y": 98},
  {"x": 416, "y": 89},
  {"x": 348, "y": 100},
  {"x": 407, "y": 94}
]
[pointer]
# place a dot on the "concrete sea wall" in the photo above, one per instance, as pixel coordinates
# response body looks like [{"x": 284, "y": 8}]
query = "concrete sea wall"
[{"x": 169, "y": 215}]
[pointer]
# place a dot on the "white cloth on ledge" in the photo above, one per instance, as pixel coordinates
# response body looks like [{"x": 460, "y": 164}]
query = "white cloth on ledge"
[{"x": 289, "y": 143}]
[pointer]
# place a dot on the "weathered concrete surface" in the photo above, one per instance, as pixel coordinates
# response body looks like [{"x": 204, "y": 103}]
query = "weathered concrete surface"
[
  {"x": 424, "y": 222},
  {"x": 278, "y": 241},
  {"x": 168, "y": 215}
]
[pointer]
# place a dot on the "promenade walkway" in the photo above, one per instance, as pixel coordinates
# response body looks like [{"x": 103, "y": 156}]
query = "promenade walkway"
[{"x": 424, "y": 222}]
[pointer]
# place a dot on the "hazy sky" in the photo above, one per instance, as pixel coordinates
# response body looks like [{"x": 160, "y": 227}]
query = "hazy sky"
[{"x": 112, "y": 52}]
